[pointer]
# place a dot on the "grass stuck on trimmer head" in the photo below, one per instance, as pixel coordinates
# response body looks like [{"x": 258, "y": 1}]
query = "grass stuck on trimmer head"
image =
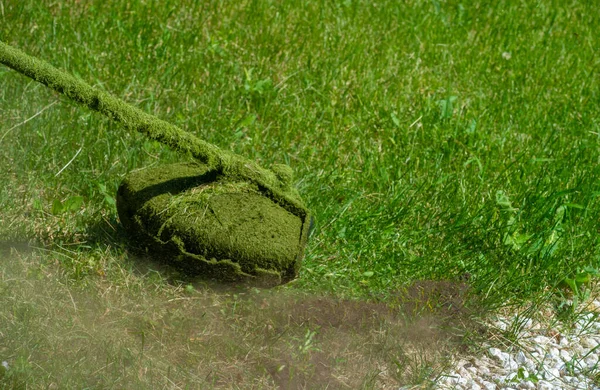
[
  {"x": 224, "y": 217},
  {"x": 211, "y": 225}
]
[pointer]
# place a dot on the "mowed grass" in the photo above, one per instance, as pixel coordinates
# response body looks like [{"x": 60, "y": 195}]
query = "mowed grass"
[
  {"x": 134, "y": 330},
  {"x": 451, "y": 141}
]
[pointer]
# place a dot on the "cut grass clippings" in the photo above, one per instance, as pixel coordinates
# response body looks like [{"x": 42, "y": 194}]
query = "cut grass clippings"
[{"x": 146, "y": 333}]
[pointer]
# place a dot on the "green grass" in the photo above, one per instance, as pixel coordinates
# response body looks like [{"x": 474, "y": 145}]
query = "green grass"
[{"x": 439, "y": 140}]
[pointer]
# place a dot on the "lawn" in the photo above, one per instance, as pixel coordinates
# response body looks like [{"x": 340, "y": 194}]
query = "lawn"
[{"x": 449, "y": 151}]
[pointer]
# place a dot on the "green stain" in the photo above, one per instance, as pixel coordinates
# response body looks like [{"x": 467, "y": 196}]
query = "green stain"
[{"x": 225, "y": 216}]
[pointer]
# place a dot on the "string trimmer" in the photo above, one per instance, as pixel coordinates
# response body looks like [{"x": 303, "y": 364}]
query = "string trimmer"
[{"x": 223, "y": 216}]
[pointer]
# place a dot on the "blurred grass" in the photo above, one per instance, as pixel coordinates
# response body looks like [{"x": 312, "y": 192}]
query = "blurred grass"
[
  {"x": 141, "y": 332},
  {"x": 452, "y": 140}
]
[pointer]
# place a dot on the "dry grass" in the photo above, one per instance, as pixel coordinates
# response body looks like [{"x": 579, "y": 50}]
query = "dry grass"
[{"x": 146, "y": 332}]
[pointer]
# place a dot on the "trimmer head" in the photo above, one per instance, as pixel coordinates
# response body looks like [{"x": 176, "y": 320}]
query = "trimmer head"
[{"x": 214, "y": 225}]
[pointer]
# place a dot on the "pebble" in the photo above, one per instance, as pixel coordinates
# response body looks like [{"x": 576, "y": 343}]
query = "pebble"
[{"x": 545, "y": 359}]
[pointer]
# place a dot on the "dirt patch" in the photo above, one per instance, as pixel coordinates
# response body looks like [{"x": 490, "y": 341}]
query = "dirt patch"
[
  {"x": 327, "y": 312},
  {"x": 344, "y": 343}
]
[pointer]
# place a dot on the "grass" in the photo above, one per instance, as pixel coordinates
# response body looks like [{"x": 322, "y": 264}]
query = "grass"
[
  {"x": 133, "y": 329},
  {"x": 437, "y": 141}
]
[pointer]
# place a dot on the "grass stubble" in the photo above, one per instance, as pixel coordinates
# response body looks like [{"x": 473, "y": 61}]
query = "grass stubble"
[
  {"x": 437, "y": 143},
  {"x": 148, "y": 332}
]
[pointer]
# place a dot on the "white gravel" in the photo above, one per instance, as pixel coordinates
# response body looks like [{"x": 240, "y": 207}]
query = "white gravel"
[{"x": 547, "y": 357}]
